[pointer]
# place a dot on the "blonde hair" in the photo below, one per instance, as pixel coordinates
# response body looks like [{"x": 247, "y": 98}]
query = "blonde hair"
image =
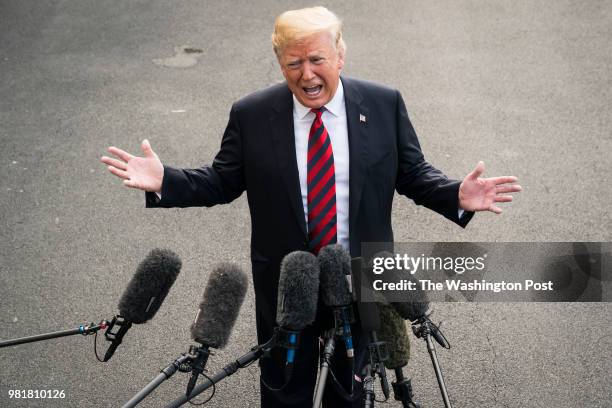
[{"x": 296, "y": 25}]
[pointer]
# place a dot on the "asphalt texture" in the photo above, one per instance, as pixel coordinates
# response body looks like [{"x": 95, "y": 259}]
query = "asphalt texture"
[{"x": 525, "y": 86}]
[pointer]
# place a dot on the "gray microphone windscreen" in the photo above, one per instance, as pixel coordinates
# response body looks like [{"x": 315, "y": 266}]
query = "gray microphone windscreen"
[
  {"x": 335, "y": 277},
  {"x": 298, "y": 290},
  {"x": 411, "y": 310},
  {"x": 416, "y": 302},
  {"x": 393, "y": 331},
  {"x": 223, "y": 297},
  {"x": 149, "y": 286}
]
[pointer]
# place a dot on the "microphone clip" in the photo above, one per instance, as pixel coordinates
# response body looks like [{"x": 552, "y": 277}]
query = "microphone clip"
[
  {"x": 198, "y": 357},
  {"x": 114, "y": 333},
  {"x": 424, "y": 327},
  {"x": 343, "y": 315},
  {"x": 288, "y": 339}
]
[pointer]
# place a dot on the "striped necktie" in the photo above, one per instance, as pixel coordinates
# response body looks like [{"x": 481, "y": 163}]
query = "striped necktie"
[{"x": 321, "y": 186}]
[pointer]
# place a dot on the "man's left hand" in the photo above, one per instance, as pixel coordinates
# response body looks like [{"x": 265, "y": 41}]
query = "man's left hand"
[{"x": 481, "y": 194}]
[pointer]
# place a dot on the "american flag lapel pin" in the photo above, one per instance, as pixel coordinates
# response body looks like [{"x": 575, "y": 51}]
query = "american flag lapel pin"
[{"x": 362, "y": 118}]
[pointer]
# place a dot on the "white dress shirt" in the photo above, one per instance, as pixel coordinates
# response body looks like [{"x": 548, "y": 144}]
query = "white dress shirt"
[{"x": 334, "y": 119}]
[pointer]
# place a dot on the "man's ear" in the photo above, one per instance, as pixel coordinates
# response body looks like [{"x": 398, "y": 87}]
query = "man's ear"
[
  {"x": 340, "y": 59},
  {"x": 282, "y": 68}
]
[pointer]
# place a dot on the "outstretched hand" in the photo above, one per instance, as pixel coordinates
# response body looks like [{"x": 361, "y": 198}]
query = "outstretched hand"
[
  {"x": 481, "y": 194},
  {"x": 144, "y": 173}
]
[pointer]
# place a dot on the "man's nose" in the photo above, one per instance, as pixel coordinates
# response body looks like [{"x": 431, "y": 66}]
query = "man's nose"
[{"x": 307, "y": 72}]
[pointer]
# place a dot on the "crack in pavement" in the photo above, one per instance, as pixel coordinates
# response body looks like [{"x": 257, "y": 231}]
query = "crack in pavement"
[{"x": 495, "y": 379}]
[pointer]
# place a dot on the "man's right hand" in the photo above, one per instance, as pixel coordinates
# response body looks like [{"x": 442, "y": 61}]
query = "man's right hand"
[{"x": 144, "y": 173}]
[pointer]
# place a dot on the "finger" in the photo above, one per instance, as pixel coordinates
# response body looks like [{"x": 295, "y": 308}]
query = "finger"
[
  {"x": 122, "y": 154},
  {"x": 495, "y": 209},
  {"x": 146, "y": 148},
  {"x": 513, "y": 188},
  {"x": 114, "y": 162},
  {"x": 478, "y": 170},
  {"x": 503, "y": 179},
  {"x": 502, "y": 199},
  {"x": 119, "y": 173}
]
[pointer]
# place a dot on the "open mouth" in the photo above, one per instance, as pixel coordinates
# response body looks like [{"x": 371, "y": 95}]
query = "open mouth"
[{"x": 313, "y": 90}]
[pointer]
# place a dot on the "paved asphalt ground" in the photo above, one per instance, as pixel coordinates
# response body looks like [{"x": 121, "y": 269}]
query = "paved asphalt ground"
[{"x": 525, "y": 86}]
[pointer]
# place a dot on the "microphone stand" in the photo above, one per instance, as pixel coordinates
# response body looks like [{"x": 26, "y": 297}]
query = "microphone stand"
[
  {"x": 425, "y": 329},
  {"x": 184, "y": 363},
  {"x": 241, "y": 362},
  {"x": 343, "y": 317},
  {"x": 84, "y": 329},
  {"x": 378, "y": 354}
]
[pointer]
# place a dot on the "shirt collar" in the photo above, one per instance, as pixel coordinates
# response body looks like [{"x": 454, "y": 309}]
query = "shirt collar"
[{"x": 334, "y": 106}]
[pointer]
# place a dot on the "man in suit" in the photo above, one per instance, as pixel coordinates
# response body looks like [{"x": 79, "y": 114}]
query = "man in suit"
[{"x": 320, "y": 158}]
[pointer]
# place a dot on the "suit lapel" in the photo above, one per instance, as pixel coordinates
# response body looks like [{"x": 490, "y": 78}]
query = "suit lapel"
[
  {"x": 283, "y": 140},
  {"x": 356, "y": 119}
]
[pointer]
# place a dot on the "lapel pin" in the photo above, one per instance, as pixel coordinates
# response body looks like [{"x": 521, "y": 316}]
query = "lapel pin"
[{"x": 362, "y": 118}]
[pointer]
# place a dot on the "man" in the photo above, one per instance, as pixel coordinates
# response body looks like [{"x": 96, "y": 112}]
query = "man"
[{"x": 320, "y": 158}]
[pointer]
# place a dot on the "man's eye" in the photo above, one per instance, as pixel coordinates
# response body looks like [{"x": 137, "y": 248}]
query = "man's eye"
[
  {"x": 293, "y": 65},
  {"x": 317, "y": 60}
]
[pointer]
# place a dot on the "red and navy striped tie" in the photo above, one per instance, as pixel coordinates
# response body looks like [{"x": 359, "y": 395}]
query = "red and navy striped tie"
[{"x": 321, "y": 186}]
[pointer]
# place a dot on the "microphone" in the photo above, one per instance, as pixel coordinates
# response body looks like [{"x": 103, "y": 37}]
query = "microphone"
[
  {"x": 298, "y": 288},
  {"x": 336, "y": 289},
  {"x": 393, "y": 332},
  {"x": 223, "y": 297},
  {"x": 415, "y": 309},
  {"x": 370, "y": 321},
  {"x": 144, "y": 294},
  {"x": 298, "y": 294}
]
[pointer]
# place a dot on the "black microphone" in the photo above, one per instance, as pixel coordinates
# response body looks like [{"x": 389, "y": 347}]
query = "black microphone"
[
  {"x": 298, "y": 294},
  {"x": 144, "y": 294},
  {"x": 223, "y": 297},
  {"x": 416, "y": 307},
  {"x": 336, "y": 289}
]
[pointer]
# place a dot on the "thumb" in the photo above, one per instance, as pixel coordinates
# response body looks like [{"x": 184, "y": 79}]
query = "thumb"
[
  {"x": 478, "y": 170},
  {"x": 146, "y": 148}
]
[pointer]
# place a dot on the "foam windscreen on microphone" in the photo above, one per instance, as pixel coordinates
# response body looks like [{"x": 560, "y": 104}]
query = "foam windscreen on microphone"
[
  {"x": 393, "y": 330},
  {"x": 335, "y": 265},
  {"x": 149, "y": 286},
  {"x": 411, "y": 310},
  {"x": 298, "y": 290},
  {"x": 416, "y": 302},
  {"x": 223, "y": 297}
]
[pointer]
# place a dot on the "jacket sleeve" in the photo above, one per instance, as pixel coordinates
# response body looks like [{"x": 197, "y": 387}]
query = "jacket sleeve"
[
  {"x": 206, "y": 186},
  {"x": 419, "y": 180}
]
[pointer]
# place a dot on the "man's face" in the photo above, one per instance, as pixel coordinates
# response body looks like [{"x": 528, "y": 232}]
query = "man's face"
[{"x": 312, "y": 68}]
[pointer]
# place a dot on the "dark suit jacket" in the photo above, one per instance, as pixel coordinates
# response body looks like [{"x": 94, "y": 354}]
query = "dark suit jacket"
[{"x": 257, "y": 155}]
